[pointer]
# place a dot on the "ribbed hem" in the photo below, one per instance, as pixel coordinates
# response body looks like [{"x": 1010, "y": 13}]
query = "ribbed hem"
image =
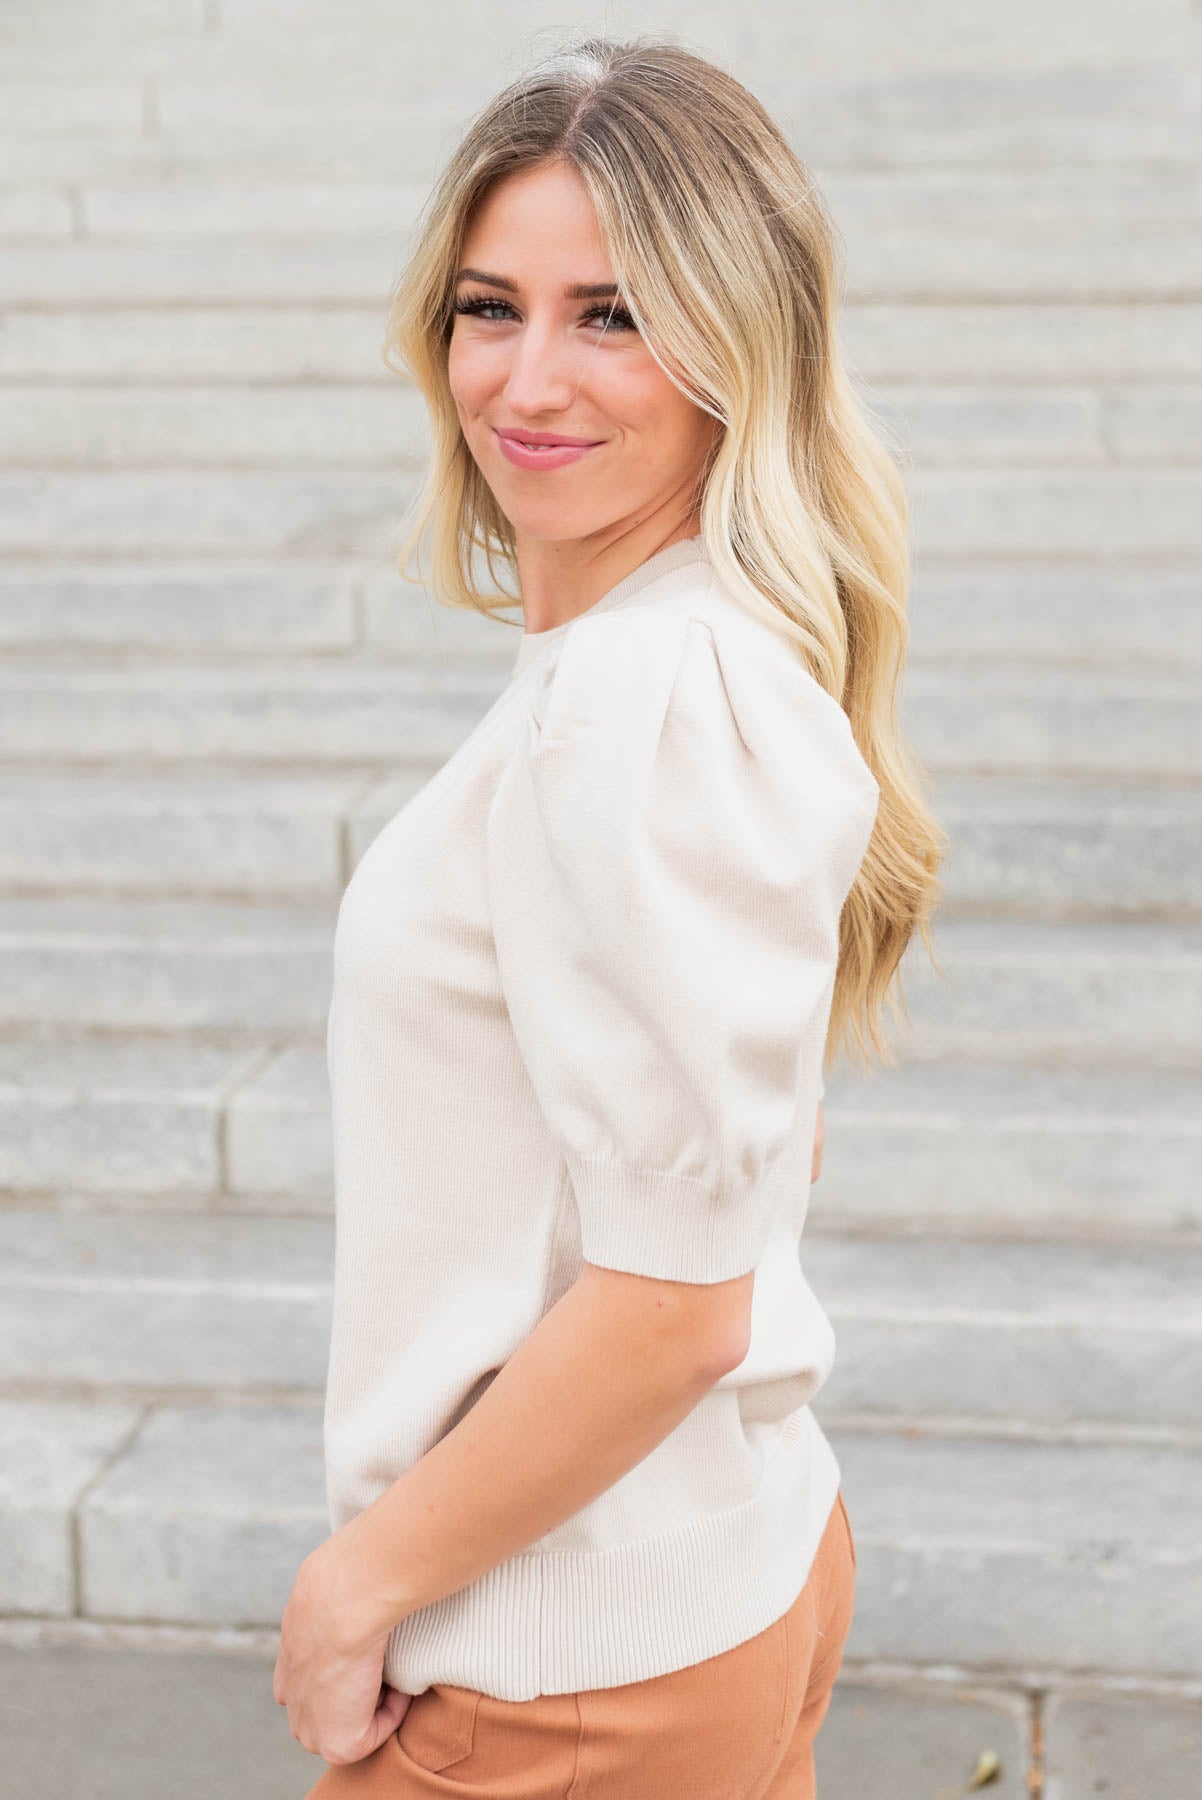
[
  {"x": 654, "y": 1222},
  {"x": 558, "y": 1622}
]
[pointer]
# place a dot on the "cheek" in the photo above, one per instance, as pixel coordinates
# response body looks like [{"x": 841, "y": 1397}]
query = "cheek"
[
  {"x": 630, "y": 388},
  {"x": 668, "y": 428},
  {"x": 471, "y": 372}
]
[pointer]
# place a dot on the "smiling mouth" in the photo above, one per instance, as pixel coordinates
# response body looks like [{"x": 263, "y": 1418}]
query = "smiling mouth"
[
  {"x": 532, "y": 456},
  {"x": 529, "y": 444}
]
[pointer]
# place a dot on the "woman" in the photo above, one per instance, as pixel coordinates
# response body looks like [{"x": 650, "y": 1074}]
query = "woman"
[{"x": 587, "y": 1535}]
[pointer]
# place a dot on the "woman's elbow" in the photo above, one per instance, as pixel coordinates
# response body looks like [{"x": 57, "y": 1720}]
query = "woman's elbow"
[{"x": 708, "y": 1322}]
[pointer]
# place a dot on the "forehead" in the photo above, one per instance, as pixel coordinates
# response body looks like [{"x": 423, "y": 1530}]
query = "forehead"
[{"x": 538, "y": 222}]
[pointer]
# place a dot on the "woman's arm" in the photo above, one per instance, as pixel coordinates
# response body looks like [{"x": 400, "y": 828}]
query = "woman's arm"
[
  {"x": 603, "y": 1378},
  {"x": 607, "y": 1373},
  {"x": 613, "y": 1367}
]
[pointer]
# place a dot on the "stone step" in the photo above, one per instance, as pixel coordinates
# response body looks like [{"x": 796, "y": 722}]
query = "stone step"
[
  {"x": 1083, "y": 262},
  {"x": 280, "y": 712},
  {"x": 1025, "y": 1555},
  {"x": 1023, "y": 721},
  {"x": 1134, "y": 200},
  {"x": 141, "y": 1117},
  {"x": 1028, "y": 199},
  {"x": 770, "y": 41},
  {"x": 973, "y": 1551},
  {"x": 1039, "y": 1337},
  {"x": 176, "y": 23},
  {"x": 1041, "y": 846},
  {"x": 986, "y": 1149},
  {"x": 1120, "y": 513},
  {"x": 944, "y": 341},
  {"x": 296, "y": 425},
  {"x": 1050, "y": 1337},
  {"x": 288, "y": 712},
  {"x": 303, "y": 129},
  {"x": 114, "y": 1305},
  {"x": 1013, "y": 1149},
  {"x": 33, "y": 214},
  {"x": 952, "y": 67},
  {"x": 198, "y": 1720},
  {"x": 202, "y": 1719},
  {"x": 70, "y": 963},
  {"x": 186, "y": 834},
  {"x": 1046, "y": 846},
  {"x": 251, "y": 513},
  {"x": 987, "y": 425},
  {"x": 1080, "y": 613},
  {"x": 138, "y": 345},
  {"x": 1013, "y": 989},
  {"x": 1077, "y": 992},
  {"x": 945, "y": 51},
  {"x": 170, "y": 605}
]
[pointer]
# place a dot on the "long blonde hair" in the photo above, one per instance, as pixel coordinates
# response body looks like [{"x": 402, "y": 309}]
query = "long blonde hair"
[{"x": 728, "y": 263}]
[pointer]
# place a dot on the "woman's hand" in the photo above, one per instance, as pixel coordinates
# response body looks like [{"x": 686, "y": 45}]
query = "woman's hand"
[
  {"x": 816, "y": 1164},
  {"x": 329, "y": 1671}
]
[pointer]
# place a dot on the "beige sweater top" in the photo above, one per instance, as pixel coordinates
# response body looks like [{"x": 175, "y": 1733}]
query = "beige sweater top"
[{"x": 582, "y": 983}]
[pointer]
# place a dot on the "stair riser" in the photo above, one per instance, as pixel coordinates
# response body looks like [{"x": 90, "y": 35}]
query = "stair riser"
[
  {"x": 1127, "y": 513},
  {"x": 954, "y": 724},
  {"x": 1085, "y": 1012}
]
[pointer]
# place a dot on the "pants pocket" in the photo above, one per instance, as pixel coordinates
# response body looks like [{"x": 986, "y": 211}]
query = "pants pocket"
[
  {"x": 439, "y": 1727},
  {"x": 474, "y": 1741}
]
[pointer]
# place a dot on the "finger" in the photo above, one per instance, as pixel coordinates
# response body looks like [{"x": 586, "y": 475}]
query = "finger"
[
  {"x": 395, "y": 1705},
  {"x": 382, "y": 1727},
  {"x": 387, "y": 1718}
]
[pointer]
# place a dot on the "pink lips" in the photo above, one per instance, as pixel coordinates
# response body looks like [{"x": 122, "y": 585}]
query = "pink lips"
[{"x": 542, "y": 450}]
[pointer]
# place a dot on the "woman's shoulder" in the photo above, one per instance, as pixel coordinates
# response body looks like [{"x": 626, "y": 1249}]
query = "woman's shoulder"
[{"x": 696, "y": 655}]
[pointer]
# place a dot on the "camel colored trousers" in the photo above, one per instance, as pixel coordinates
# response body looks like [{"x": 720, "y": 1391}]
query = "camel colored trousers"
[{"x": 738, "y": 1726}]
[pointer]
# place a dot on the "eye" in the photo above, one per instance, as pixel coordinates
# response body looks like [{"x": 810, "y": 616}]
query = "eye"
[
  {"x": 478, "y": 303},
  {"x": 480, "y": 306},
  {"x": 613, "y": 315}
]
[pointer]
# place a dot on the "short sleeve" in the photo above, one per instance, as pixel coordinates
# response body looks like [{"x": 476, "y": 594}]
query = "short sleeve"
[{"x": 669, "y": 844}]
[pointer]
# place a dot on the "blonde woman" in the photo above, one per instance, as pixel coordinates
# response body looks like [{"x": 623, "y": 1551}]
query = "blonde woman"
[{"x": 587, "y": 1534}]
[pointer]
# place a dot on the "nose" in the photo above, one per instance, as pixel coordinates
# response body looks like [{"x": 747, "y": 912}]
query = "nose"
[{"x": 543, "y": 377}]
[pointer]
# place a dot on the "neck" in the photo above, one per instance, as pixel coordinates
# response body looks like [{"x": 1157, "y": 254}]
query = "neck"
[{"x": 560, "y": 580}]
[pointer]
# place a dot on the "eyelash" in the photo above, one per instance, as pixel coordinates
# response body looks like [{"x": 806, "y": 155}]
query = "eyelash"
[{"x": 476, "y": 303}]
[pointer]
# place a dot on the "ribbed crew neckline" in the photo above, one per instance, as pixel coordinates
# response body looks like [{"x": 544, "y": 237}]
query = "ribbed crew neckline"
[{"x": 664, "y": 562}]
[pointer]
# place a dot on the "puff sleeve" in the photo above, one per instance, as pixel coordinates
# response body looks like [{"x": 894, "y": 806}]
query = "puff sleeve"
[{"x": 669, "y": 844}]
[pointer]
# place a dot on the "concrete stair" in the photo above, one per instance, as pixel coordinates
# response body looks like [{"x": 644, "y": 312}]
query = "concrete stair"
[
  {"x": 1100, "y": 995},
  {"x": 277, "y": 714},
  {"x": 214, "y": 691},
  {"x": 123, "y": 1305},
  {"x": 199, "y": 1512},
  {"x": 1038, "y": 845},
  {"x": 986, "y": 1147}
]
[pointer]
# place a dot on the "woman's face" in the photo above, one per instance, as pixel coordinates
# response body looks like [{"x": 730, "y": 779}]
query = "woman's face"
[{"x": 531, "y": 357}]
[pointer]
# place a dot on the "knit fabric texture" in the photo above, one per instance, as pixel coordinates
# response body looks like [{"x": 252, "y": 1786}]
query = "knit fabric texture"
[{"x": 582, "y": 985}]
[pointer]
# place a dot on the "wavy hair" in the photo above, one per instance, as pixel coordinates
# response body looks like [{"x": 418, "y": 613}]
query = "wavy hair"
[{"x": 731, "y": 268}]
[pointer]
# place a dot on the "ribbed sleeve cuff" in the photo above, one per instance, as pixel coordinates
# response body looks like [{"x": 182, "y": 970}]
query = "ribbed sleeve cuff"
[{"x": 672, "y": 1227}]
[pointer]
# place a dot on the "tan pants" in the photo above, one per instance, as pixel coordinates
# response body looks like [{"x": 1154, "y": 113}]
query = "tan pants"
[{"x": 738, "y": 1726}]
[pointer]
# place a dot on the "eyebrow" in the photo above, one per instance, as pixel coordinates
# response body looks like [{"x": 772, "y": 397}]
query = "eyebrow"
[{"x": 601, "y": 290}]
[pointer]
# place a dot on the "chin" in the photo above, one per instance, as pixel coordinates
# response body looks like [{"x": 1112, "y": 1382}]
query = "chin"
[{"x": 549, "y": 522}]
